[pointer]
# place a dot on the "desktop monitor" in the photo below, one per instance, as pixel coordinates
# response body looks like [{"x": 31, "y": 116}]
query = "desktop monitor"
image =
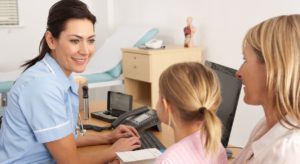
[{"x": 230, "y": 91}]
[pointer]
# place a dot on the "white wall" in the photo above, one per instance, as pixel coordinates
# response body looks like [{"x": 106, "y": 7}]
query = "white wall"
[
  {"x": 221, "y": 26},
  {"x": 17, "y": 44}
]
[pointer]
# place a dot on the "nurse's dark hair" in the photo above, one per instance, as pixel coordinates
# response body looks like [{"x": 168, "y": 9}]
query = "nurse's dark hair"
[{"x": 59, "y": 14}]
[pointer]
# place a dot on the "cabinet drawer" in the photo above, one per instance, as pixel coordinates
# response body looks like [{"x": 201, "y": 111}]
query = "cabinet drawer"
[{"x": 136, "y": 66}]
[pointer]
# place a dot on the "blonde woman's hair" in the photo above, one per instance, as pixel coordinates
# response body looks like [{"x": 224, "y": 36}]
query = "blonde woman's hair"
[
  {"x": 193, "y": 90},
  {"x": 276, "y": 42}
]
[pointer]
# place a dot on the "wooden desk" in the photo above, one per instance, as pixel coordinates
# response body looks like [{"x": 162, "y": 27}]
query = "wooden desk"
[
  {"x": 166, "y": 136},
  {"x": 235, "y": 151}
]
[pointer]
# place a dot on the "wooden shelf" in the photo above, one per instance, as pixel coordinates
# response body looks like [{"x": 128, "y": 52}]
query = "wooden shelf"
[{"x": 142, "y": 68}]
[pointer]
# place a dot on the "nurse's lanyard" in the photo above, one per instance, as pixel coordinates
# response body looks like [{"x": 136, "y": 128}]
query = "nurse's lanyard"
[{"x": 79, "y": 127}]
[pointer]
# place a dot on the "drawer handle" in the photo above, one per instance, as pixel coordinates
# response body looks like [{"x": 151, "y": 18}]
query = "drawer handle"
[
  {"x": 134, "y": 57},
  {"x": 134, "y": 67}
]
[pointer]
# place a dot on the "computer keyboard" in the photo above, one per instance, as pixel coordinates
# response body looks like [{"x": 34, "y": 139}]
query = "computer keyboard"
[{"x": 149, "y": 140}]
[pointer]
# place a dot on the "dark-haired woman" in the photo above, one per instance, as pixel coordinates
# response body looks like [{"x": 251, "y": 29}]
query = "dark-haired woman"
[{"x": 39, "y": 123}]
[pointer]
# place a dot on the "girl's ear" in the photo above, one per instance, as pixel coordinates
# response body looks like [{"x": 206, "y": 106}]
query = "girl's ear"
[
  {"x": 166, "y": 105},
  {"x": 168, "y": 109},
  {"x": 50, "y": 40}
]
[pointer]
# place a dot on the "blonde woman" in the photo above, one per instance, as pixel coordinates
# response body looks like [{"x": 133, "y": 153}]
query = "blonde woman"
[
  {"x": 271, "y": 77},
  {"x": 189, "y": 97}
]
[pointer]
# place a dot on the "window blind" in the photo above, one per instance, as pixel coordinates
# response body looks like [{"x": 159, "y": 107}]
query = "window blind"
[{"x": 9, "y": 12}]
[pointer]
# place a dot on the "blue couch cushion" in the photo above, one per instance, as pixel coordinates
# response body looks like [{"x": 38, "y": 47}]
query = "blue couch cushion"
[
  {"x": 98, "y": 77},
  {"x": 116, "y": 71},
  {"x": 5, "y": 86},
  {"x": 147, "y": 37}
]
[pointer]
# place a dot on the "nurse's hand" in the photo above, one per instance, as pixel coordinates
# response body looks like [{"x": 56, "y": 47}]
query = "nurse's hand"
[
  {"x": 123, "y": 131},
  {"x": 126, "y": 144}
]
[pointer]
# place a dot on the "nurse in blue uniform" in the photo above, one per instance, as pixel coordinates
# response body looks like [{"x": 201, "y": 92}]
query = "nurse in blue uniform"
[{"x": 39, "y": 122}]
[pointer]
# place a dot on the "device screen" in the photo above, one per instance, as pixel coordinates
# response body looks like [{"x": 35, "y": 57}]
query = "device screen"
[
  {"x": 120, "y": 101},
  {"x": 141, "y": 117}
]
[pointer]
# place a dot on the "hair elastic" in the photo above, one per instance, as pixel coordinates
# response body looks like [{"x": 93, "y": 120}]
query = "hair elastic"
[{"x": 202, "y": 110}]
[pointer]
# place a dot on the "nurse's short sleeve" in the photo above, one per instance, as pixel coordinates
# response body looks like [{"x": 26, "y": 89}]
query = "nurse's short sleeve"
[{"x": 43, "y": 103}]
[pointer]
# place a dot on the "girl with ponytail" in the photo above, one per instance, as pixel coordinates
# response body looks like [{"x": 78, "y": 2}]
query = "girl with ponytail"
[{"x": 189, "y": 95}]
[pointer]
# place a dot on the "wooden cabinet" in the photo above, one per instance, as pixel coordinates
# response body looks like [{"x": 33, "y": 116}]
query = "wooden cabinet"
[
  {"x": 142, "y": 68},
  {"x": 137, "y": 66}
]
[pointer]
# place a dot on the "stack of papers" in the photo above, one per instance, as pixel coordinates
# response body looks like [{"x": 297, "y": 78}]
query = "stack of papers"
[{"x": 144, "y": 156}]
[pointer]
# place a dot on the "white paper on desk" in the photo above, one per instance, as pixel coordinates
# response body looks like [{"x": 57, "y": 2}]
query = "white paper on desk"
[{"x": 144, "y": 156}]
